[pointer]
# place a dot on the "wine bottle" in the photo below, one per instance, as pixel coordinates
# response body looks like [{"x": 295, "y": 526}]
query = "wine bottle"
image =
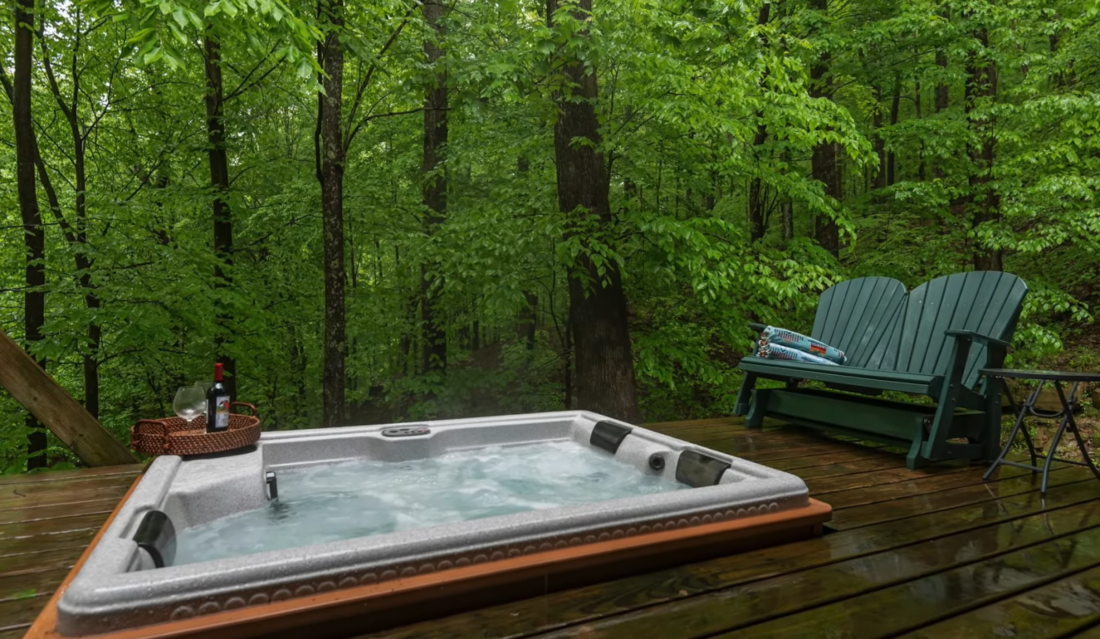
[{"x": 217, "y": 404}]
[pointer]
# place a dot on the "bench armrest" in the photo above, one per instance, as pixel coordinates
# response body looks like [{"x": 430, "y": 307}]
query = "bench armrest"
[{"x": 976, "y": 337}]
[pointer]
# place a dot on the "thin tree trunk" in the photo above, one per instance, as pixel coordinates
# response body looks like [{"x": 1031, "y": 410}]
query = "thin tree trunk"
[
  {"x": 34, "y": 235},
  {"x": 981, "y": 85},
  {"x": 76, "y": 237},
  {"x": 710, "y": 196},
  {"x": 825, "y": 161},
  {"x": 528, "y": 312},
  {"x": 604, "y": 379},
  {"x": 941, "y": 102},
  {"x": 332, "y": 156},
  {"x": 786, "y": 213},
  {"x": 917, "y": 107},
  {"x": 1064, "y": 77},
  {"x": 434, "y": 353},
  {"x": 756, "y": 185},
  {"x": 219, "y": 181},
  {"x": 786, "y": 208},
  {"x": 943, "y": 91},
  {"x": 878, "y": 142},
  {"x": 567, "y": 382},
  {"x": 895, "y": 106}
]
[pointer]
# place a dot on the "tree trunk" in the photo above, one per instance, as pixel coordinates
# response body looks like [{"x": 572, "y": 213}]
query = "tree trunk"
[
  {"x": 757, "y": 190},
  {"x": 786, "y": 209},
  {"x": 76, "y": 237},
  {"x": 710, "y": 196},
  {"x": 786, "y": 213},
  {"x": 895, "y": 106},
  {"x": 34, "y": 235},
  {"x": 878, "y": 142},
  {"x": 917, "y": 107},
  {"x": 528, "y": 312},
  {"x": 757, "y": 197},
  {"x": 604, "y": 379},
  {"x": 942, "y": 101},
  {"x": 434, "y": 353},
  {"x": 528, "y": 319},
  {"x": 219, "y": 181},
  {"x": 1065, "y": 76},
  {"x": 825, "y": 162},
  {"x": 981, "y": 85},
  {"x": 943, "y": 91},
  {"x": 332, "y": 156}
]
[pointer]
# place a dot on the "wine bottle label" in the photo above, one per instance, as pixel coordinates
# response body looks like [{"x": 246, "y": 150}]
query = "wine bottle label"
[{"x": 221, "y": 416}]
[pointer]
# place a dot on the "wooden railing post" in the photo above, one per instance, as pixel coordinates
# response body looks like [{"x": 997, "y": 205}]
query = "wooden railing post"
[{"x": 56, "y": 409}]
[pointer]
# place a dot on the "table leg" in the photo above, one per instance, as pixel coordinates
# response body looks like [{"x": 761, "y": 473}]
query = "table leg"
[
  {"x": 1020, "y": 414},
  {"x": 1067, "y": 405},
  {"x": 1023, "y": 411}
]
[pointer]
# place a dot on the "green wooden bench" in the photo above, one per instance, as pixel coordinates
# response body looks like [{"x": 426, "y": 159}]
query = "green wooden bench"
[{"x": 933, "y": 342}]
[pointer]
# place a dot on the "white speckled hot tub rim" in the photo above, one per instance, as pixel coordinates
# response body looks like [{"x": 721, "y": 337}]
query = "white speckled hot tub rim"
[{"x": 108, "y": 594}]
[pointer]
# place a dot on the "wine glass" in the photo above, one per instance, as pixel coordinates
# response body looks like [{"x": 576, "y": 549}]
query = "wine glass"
[{"x": 189, "y": 402}]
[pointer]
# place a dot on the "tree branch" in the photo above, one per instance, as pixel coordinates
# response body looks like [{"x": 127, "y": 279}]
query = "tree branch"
[
  {"x": 364, "y": 81},
  {"x": 368, "y": 118},
  {"x": 243, "y": 86}
]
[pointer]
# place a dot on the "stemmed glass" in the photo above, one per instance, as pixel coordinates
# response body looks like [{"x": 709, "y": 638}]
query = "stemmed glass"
[{"x": 189, "y": 402}]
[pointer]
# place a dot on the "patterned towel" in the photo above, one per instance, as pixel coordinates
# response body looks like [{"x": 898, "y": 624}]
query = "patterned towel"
[
  {"x": 817, "y": 352},
  {"x": 775, "y": 351}
]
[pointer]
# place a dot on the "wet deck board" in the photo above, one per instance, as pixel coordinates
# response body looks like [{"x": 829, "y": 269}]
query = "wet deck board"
[{"x": 937, "y": 552}]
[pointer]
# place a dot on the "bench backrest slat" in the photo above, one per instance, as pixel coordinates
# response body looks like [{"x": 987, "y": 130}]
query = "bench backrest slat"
[
  {"x": 856, "y": 315},
  {"x": 986, "y": 302},
  {"x": 879, "y": 326}
]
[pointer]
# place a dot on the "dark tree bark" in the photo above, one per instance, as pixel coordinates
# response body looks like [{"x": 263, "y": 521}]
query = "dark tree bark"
[
  {"x": 917, "y": 107},
  {"x": 895, "y": 106},
  {"x": 878, "y": 143},
  {"x": 943, "y": 91},
  {"x": 528, "y": 314},
  {"x": 1064, "y": 77},
  {"x": 434, "y": 353},
  {"x": 825, "y": 161},
  {"x": 757, "y": 190},
  {"x": 219, "y": 181},
  {"x": 76, "y": 235},
  {"x": 941, "y": 101},
  {"x": 604, "y": 380},
  {"x": 34, "y": 235},
  {"x": 786, "y": 217},
  {"x": 981, "y": 86},
  {"x": 710, "y": 196},
  {"x": 786, "y": 209},
  {"x": 331, "y": 159}
]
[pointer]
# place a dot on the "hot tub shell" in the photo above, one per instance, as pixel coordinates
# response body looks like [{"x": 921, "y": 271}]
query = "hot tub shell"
[{"x": 116, "y": 590}]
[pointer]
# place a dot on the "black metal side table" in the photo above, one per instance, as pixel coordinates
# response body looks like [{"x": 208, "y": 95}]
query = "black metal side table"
[{"x": 1065, "y": 415}]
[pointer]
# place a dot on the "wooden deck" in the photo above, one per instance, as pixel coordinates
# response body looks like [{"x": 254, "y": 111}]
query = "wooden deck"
[{"x": 929, "y": 553}]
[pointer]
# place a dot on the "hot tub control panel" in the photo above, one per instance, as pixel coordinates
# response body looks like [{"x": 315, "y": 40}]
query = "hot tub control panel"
[{"x": 406, "y": 431}]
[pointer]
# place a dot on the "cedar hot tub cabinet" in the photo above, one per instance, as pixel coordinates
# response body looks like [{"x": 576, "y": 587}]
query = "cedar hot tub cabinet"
[{"x": 370, "y": 582}]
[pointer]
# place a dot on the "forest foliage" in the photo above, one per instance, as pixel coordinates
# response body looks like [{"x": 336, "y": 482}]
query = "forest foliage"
[{"x": 212, "y": 177}]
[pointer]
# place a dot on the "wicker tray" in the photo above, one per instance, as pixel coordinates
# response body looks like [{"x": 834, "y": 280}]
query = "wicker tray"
[{"x": 174, "y": 436}]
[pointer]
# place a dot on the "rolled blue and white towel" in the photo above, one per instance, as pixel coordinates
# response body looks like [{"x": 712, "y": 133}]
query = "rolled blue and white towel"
[{"x": 779, "y": 343}]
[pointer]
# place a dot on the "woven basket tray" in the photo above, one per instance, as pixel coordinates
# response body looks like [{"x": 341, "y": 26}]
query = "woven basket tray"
[{"x": 174, "y": 436}]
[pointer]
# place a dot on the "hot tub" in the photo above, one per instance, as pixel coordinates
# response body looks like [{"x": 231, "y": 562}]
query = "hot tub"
[{"x": 313, "y": 526}]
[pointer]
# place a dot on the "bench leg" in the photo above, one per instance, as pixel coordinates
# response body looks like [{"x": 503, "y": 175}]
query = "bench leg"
[
  {"x": 992, "y": 433},
  {"x": 744, "y": 398},
  {"x": 915, "y": 460},
  {"x": 755, "y": 418}
]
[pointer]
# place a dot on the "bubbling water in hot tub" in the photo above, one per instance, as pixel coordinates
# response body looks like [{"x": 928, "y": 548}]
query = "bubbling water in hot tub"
[{"x": 355, "y": 499}]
